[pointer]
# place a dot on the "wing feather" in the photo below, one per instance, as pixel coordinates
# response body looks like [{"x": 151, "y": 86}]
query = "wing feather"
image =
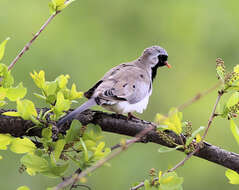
[{"x": 128, "y": 83}]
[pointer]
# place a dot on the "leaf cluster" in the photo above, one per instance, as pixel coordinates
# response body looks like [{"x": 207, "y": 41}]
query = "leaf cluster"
[
  {"x": 173, "y": 121},
  {"x": 59, "y": 5},
  {"x": 230, "y": 108},
  {"x": 81, "y": 145},
  {"x": 163, "y": 181}
]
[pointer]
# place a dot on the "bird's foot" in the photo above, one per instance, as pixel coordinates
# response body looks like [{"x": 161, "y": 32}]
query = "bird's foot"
[{"x": 132, "y": 117}]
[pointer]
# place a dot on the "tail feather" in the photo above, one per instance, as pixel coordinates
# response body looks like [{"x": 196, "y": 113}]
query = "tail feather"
[{"x": 91, "y": 102}]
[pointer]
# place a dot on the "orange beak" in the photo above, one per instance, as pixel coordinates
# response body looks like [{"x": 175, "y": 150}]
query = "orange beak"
[{"x": 167, "y": 64}]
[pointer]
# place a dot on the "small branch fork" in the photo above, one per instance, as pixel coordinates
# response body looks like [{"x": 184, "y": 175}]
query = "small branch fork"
[
  {"x": 27, "y": 46},
  {"x": 198, "y": 145}
]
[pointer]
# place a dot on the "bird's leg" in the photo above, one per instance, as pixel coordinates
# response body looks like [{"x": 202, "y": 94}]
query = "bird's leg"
[{"x": 131, "y": 117}]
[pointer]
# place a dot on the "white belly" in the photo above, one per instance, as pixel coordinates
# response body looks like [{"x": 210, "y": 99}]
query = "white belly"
[{"x": 125, "y": 107}]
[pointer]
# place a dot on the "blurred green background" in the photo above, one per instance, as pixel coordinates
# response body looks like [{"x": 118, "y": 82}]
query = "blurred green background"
[{"x": 90, "y": 37}]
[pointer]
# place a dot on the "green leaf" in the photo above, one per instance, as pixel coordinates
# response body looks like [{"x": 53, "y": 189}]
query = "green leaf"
[
  {"x": 11, "y": 113},
  {"x": 220, "y": 69},
  {"x": 164, "y": 149},
  {"x": 52, "y": 7},
  {"x": 74, "y": 132},
  {"x": 51, "y": 99},
  {"x": 190, "y": 139},
  {"x": 159, "y": 176},
  {"x": 35, "y": 163},
  {"x": 174, "y": 122},
  {"x": 3, "y": 69},
  {"x": 7, "y": 79},
  {"x": 26, "y": 109},
  {"x": 39, "y": 79},
  {"x": 99, "y": 150},
  {"x": 16, "y": 93},
  {"x": 50, "y": 188},
  {"x": 232, "y": 176},
  {"x": 94, "y": 129},
  {"x": 1, "y": 157},
  {"x": 92, "y": 132},
  {"x": 170, "y": 181},
  {"x": 3, "y": 92},
  {"x": 2, "y": 103},
  {"x": 147, "y": 185},
  {"x": 2, "y": 48},
  {"x": 198, "y": 138},
  {"x": 85, "y": 150},
  {"x": 235, "y": 130},
  {"x": 59, "y": 2},
  {"x": 46, "y": 134},
  {"x": 160, "y": 118},
  {"x": 39, "y": 96},
  {"x": 21, "y": 146},
  {"x": 74, "y": 94},
  {"x": 56, "y": 171},
  {"x": 236, "y": 69},
  {"x": 90, "y": 145},
  {"x": 61, "y": 104},
  {"x": 233, "y": 100},
  {"x": 59, "y": 146},
  {"x": 5, "y": 139},
  {"x": 58, "y": 5},
  {"x": 50, "y": 88},
  {"x": 23, "y": 188},
  {"x": 62, "y": 81}
]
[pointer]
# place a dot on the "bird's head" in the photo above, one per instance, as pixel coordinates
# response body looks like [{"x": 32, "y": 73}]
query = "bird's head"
[{"x": 156, "y": 56}]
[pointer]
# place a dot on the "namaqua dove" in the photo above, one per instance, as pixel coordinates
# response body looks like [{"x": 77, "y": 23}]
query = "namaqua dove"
[{"x": 125, "y": 88}]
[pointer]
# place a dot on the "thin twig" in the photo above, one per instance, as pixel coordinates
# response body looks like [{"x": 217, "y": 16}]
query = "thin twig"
[
  {"x": 118, "y": 145},
  {"x": 198, "y": 96},
  {"x": 100, "y": 163},
  {"x": 220, "y": 93},
  {"x": 27, "y": 46}
]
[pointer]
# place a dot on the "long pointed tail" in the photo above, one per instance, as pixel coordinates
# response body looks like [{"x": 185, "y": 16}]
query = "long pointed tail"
[{"x": 91, "y": 102}]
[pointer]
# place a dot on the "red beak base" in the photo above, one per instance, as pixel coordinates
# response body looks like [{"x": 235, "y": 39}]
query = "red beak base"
[{"x": 168, "y": 65}]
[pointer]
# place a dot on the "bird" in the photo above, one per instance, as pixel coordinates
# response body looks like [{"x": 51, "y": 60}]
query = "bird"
[{"x": 125, "y": 88}]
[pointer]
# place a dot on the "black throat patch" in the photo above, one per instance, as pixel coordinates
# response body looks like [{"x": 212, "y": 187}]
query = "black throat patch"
[
  {"x": 154, "y": 72},
  {"x": 161, "y": 62}
]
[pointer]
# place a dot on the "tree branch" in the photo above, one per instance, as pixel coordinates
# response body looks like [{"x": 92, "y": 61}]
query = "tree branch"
[
  {"x": 199, "y": 95},
  {"x": 220, "y": 93},
  {"x": 101, "y": 162},
  {"x": 119, "y": 124}
]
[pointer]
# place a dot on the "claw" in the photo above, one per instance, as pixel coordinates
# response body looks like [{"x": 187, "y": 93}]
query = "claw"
[{"x": 132, "y": 117}]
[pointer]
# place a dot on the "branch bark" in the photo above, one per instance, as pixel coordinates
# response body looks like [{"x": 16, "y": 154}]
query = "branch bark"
[{"x": 120, "y": 125}]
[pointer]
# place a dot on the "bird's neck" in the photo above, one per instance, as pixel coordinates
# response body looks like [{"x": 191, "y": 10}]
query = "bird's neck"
[{"x": 152, "y": 71}]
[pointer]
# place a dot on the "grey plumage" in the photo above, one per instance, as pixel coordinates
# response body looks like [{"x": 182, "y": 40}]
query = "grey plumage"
[
  {"x": 91, "y": 102},
  {"x": 125, "y": 88}
]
